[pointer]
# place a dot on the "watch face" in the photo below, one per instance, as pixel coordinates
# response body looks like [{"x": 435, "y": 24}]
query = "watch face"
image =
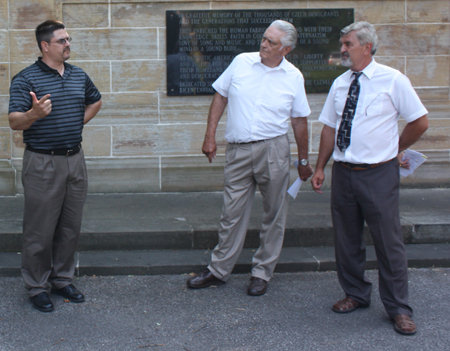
[{"x": 304, "y": 162}]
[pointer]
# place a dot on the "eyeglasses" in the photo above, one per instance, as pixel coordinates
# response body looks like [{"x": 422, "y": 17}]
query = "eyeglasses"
[{"x": 61, "y": 41}]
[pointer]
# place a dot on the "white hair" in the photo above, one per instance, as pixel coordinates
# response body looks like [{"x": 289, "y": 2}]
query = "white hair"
[
  {"x": 365, "y": 32},
  {"x": 290, "y": 39}
]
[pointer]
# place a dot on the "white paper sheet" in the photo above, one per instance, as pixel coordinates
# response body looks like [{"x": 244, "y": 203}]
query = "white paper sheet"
[
  {"x": 415, "y": 160},
  {"x": 295, "y": 187}
]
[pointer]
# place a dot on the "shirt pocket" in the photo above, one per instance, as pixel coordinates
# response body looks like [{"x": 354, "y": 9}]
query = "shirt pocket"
[{"x": 374, "y": 105}]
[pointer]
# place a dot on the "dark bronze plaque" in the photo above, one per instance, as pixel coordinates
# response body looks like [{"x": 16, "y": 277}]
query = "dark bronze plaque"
[{"x": 201, "y": 45}]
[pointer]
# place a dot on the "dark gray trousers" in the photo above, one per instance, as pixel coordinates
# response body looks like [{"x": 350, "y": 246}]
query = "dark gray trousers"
[
  {"x": 370, "y": 195},
  {"x": 55, "y": 189}
]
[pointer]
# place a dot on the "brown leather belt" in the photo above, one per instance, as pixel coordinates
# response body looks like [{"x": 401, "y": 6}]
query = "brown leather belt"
[
  {"x": 252, "y": 142},
  {"x": 361, "y": 166}
]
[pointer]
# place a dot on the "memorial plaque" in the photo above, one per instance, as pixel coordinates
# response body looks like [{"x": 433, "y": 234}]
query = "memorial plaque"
[{"x": 201, "y": 45}]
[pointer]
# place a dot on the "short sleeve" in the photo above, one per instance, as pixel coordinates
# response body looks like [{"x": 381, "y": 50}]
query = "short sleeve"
[
  {"x": 328, "y": 115},
  {"x": 406, "y": 100},
  {"x": 300, "y": 106},
  {"x": 92, "y": 95},
  {"x": 223, "y": 83},
  {"x": 19, "y": 95}
]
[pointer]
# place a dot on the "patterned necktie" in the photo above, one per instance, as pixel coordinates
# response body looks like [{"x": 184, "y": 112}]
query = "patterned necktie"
[{"x": 345, "y": 129}]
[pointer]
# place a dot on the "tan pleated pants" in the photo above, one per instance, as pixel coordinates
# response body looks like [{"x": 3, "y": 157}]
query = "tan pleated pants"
[{"x": 265, "y": 164}]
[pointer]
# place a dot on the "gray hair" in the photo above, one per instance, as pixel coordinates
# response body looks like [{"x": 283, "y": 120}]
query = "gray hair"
[
  {"x": 290, "y": 39},
  {"x": 365, "y": 32}
]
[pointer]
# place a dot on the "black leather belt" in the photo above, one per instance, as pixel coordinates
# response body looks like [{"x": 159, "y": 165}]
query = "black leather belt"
[
  {"x": 57, "y": 152},
  {"x": 361, "y": 166}
]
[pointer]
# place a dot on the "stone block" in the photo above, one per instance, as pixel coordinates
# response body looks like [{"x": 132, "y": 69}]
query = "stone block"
[
  {"x": 114, "y": 44},
  {"x": 123, "y": 175},
  {"x": 372, "y": 11},
  {"x": 429, "y": 70},
  {"x": 431, "y": 174},
  {"x": 97, "y": 140},
  {"x": 437, "y": 137},
  {"x": 91, "y": 15},
  {"x": 428, "y": 11},
  {"x": 25, "y": 14},
  {"x": 5, "y": 143},
  {"x": 413, "y": 39},
  {"x": 4, "y": 104},
  {"x": 139, "y": 76},
  {"x": 162, "y": 139},
  {"x": 438, "y": 109},
  {"x": 395, "y": 62},
  {"x": 18, "y": 147},
  {"x": 23, "y": 46},
  {"x": 433, "y": 94},
  {"x": 149, "y": 14},
  {"x": 4, "y": 79},
  {"x": 17, "y": 167},
  {"x": 185, "y": 109},
  {"x": 191, "y": 173},
  {"x": 4, "y": 14},
  {"x": 128, "y": 108},
  {"x": 4, "y": 46},
  {"x": 17, "y": 67},
  {"x": 7, "y": 179},
  {"x": 99, "y": 72}
]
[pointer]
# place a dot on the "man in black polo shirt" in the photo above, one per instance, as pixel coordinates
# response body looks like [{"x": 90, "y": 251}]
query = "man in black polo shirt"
[{"x": 51, "y": 101}]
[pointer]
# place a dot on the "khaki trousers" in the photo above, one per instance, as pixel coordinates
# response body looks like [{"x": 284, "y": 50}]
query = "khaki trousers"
[
  {"x": 55, "y": 189},
  {"x": 265, "y": 164}
]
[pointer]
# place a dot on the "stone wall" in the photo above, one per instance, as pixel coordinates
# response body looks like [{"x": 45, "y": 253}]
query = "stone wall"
[{"x": 144, "y": 141}]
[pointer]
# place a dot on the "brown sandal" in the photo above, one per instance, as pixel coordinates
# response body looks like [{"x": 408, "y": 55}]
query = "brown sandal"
[
  {"x": 347, "y": 305},
  {"x": 403, "y": 324}
]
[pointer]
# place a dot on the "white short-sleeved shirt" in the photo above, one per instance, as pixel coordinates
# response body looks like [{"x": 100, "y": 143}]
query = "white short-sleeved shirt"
[
  {"x": 260, "y": 99},
  {"x": 385, "y": 94}
]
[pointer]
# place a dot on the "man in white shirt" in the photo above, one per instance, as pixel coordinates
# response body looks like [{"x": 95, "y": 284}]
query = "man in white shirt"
[
  {"x": 360, "y": 131},
  {"x": 262, "y": 90}
]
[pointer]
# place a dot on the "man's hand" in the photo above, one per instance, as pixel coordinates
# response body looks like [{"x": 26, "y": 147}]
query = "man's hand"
[
  {"x": 209, "y": 148},
  {"x": 317, "y": 181},
  {"x": 403, "y": 163},
  {"x": 41, "y": 108},
  {"x": 304, "y": 172}
]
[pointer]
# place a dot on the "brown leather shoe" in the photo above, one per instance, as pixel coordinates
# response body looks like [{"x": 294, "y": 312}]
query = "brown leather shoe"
[
  {"x": 257, "y": 286},
  {"x": 203, "y": 280},
  {"x": 347, "y": 305},
  {"x": 403, "y": 324}
]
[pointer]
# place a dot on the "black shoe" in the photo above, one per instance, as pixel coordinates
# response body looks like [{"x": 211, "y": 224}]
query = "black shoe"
[
  {"x": 42, "y": 302},
  {"x": 257, "y": 286},
  {"x": 203, "y": 280},
  {"x": 70, "y": 293}
]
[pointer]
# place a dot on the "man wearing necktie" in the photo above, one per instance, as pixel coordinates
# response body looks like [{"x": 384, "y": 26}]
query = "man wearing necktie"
[{"x": 360, "y": 130}]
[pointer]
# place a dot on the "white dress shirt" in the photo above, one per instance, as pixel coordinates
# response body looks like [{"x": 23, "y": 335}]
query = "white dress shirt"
[
  {"x": 385, "y": 94},
  {"x": 260, "y": 99}
]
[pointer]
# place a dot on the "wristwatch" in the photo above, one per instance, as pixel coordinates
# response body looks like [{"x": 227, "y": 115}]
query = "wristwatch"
[{"x": 304, "y": 162}]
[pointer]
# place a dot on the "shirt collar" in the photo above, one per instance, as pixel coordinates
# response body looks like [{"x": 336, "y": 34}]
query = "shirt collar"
[
  {"x": 283, "y": 65},
  {"x": 368, "y": 71},
  {"x": 45, "y": 67}
]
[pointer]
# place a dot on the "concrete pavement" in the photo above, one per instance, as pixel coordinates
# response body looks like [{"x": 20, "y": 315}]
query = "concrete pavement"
[{"x": 160, "y": 313}]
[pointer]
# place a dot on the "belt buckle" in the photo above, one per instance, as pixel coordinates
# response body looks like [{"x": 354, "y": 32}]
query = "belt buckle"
[{"x": 68, "y": 152}]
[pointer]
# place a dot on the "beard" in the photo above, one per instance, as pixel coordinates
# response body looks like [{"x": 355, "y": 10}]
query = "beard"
[{"x": 346, "y": 61}]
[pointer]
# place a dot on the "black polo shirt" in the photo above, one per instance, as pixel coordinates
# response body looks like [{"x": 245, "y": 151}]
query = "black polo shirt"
[{"x": 70, "y": 94}]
